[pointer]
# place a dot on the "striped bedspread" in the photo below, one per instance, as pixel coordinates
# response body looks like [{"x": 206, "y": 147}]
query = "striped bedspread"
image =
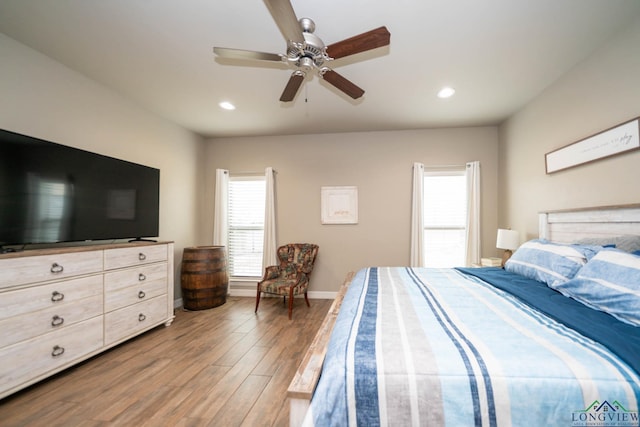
[{"x": 437, "y": 347}]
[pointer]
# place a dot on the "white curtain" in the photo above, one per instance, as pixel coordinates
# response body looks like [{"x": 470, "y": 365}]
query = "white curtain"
[
  {"x": 220, "y": 213},
  {"x": 417, "y": 217},
  {"x": 473, "y": 247},
  {"x": 270, "y": 246}
]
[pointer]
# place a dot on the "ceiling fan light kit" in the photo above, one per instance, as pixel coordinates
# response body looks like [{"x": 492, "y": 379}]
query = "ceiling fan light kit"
[{"x": 307, "y": 52}]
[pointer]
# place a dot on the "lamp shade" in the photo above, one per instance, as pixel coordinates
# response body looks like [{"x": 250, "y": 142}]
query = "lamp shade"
[{"x": 507, "y": 239}]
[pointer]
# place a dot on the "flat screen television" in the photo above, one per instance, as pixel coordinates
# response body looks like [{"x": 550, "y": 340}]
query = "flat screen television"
[{"x": 51, "y": 193}]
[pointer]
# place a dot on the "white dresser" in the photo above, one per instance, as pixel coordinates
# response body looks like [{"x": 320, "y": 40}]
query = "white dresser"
[{"x": 61, "y": 306}]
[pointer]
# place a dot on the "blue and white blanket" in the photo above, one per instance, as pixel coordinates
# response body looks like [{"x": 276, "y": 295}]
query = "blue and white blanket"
[{"x": 424, "y": 347}]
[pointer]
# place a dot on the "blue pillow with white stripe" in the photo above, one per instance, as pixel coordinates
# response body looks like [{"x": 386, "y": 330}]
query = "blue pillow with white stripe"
[
  {"x": 549, "y": 262},
  {"x": 610, "y": 282}
]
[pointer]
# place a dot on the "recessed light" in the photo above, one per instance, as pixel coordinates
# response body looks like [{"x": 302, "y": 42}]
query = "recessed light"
[
  {"x": 446, "y": 92},
  {"x": 227, "y": 105}
]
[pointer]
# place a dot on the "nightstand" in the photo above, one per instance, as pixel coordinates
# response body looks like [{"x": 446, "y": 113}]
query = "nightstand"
[{"x": 491, "y": 262}]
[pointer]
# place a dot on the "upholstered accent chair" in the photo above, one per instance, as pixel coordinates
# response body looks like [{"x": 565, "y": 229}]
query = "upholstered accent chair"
[{"x": 291, "y": 276}]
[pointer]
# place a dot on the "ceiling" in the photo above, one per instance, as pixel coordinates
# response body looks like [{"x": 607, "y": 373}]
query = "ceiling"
[{"x": 497, "y": 54}]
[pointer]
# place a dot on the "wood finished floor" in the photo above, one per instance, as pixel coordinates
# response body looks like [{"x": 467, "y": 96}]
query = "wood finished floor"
[{"x": 220, "y": 367}]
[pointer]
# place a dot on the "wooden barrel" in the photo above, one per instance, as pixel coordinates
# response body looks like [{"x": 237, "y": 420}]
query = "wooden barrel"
[{"x": 203, "y": 277}]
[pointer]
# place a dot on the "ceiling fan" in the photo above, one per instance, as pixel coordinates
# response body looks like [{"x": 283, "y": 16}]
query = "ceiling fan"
[{"x": 307, "y": 52}]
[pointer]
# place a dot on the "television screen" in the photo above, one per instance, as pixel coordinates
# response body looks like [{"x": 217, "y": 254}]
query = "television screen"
[{"x": 54, "y": 193}]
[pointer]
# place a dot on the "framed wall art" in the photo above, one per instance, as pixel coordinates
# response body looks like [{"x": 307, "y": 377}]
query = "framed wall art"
[
  {"x": 339, "y": 205},
  {"x": 617, "y": 140}
]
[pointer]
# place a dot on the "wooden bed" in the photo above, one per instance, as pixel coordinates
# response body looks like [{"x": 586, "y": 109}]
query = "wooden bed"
[
  {"x": 561, "y": 226},
  {"x": 572, "y": 225},
  {"x": 306, "y": 378}
]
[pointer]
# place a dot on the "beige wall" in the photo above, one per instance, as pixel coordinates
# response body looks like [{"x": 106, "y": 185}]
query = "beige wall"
[
  {"x": 44, "y": 99},
  {"x": 379, "y": 164},
  {"x": 40, "y": 97},
  {"x": 599, "y": 93}
]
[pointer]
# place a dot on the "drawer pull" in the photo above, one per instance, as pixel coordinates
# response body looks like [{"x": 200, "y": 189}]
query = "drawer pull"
[
  {"x": 142, "y": 277},
  {"x": 141, "y": 317},
  {"x": 142, "y": 256},
  {"x": 57, "y": 296},
  {"x": 57, "y": 351},
  {"x": 141, "y": 294},
  {"x": 56, "y": 268},
  {"x": 57, "y": 320}
]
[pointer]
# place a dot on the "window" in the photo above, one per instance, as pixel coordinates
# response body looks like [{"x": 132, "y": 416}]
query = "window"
[
  {"x": 445, "y": 218},
  {"x": 246, "y": 225}
]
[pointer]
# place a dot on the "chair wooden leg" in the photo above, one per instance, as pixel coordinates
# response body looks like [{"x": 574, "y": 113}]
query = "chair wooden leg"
[
  {"x": 257, "y": 300},
  {"x": 306, "y": 299},
  {"x": 290, "y": 302}
]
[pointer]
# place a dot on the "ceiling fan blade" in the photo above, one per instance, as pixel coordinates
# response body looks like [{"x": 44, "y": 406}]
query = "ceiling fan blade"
[
  {"x": 292, "y": 87},
  {"x": 360, "y": 43},
  {"x": 246, "y": 54},
  {"x": 285, "y": 17},
  {"x": 342, "y": 84}
]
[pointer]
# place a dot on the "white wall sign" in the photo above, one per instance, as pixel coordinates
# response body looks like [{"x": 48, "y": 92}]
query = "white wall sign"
[
  {"x": 339, "y": 205},
  {"x": 617, "y": 140}
]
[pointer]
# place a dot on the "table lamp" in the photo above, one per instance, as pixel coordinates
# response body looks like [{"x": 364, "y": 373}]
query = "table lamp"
[{"x": 507, "y": 240}]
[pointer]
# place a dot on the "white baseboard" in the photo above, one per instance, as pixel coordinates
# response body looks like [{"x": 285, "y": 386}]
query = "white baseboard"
[
  {"x": 322, "y": 295},
  {"x": 252, "y": 293},
  {"x": 240, "y": 292}
]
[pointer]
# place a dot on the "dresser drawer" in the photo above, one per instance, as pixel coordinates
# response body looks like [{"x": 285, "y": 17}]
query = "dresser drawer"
[
  {"x": 134, "y": 294},
  {"x": 136, "y": 255},
  {"x": 30, "y": 325},
  {"x": 115, "y": 280},
  {"x": 130, "y": 320},
  {"x": 28, "y": 300},
  {"x": 30, "y": 359},
  {"x": 33, "y": 269}
]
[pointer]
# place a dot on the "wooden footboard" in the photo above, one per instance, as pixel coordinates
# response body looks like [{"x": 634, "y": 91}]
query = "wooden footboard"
[{"x": 306, "y": 378}]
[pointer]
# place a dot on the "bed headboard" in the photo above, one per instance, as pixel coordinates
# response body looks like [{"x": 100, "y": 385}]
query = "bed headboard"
[{"x": 569, "y": 225}]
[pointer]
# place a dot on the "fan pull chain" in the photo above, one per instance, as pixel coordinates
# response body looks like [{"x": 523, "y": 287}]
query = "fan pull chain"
[{"x": 306, "y": 100}]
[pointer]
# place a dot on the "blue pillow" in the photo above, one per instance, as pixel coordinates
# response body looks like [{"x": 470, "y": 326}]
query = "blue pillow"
[
  {"x": 548, "y": 262},
  {"x": 610, "y": 282}
]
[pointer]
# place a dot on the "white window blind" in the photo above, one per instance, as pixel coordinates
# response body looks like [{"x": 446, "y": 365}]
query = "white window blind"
[
  {"x": 445, "y": 212},
  {"x": 246, "y": 226}
]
